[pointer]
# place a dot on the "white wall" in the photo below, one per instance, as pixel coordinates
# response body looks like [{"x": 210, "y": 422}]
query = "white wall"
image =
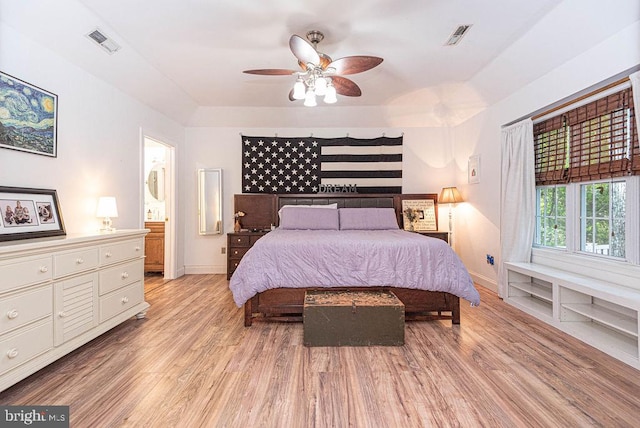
[
  {"x": 478, "y": 220},
  {"x": 99, "y": 138},
  {"x": 427, "y": 157},
  {"x": 100, "y": 152}
]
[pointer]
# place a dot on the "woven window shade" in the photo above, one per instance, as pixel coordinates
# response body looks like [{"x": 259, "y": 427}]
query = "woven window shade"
[
  {"x": 550, "y": 148},
  {"x": 600, "y": 138},
  {"x": 595, "y": 141},
  {"x": 635, "y": 142}
]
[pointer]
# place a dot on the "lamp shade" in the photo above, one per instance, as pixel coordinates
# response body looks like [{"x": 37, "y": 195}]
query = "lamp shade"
[
  {"x": 107, "y": 207},
  {"x": 449, "y": 195},
  {"x": 330, "y": 96},
  {"x": 310, "y": 98},
  {"x": 298, "y": 90}
]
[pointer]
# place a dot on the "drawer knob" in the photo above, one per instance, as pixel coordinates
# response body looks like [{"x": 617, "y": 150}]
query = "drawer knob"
[
  {"x": 62, "y": 314},
  {"x": 12, "y": 353},
  {"x": 12, "y": 314},
  {"x": 239, "y": 240},
  {"x": 79, "y": 260},
  {"x": 125, "y": 300},
  {"x": 44, "y": 269},
  {"x": 235, "y": 252},
  {"x": 138, "y": 248},
  {"x": 107, "y": 254},
  {"x": 125, "y": 275}
]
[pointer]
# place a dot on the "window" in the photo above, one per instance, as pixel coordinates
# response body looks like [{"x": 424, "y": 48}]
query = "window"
[
  {"x": 602, "y": 218},
  {"x": 586, "y": 159},
  {"x": 551, "y": 216}
]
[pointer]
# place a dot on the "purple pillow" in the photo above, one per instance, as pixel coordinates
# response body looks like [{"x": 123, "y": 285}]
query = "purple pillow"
[
  {"x": 293, "y": 217},
  {"x": 368, "y": 219}
]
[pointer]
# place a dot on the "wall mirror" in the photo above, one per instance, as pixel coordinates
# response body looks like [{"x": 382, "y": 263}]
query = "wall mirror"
[
  {"x": 210, "y": 201},
  {"x": 155, "y": 182}
]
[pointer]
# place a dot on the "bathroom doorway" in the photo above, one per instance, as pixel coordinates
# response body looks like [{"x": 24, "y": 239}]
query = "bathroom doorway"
[{"x": 157, "y": 208}]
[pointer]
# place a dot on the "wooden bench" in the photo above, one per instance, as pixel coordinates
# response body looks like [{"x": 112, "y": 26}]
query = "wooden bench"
[{"x": 600, "y": 313}]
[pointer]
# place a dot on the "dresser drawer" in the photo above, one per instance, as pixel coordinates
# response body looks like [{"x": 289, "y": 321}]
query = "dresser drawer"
[
  {"x": 114, "y": 253},
  {"x": 118, "y": 276},
  {"x": 237, "y": 253},
  {"x": 27, "y": 344},
  {"x": 120, "y": 300},
  {"x": 23, "y": 308},
  {"x": 231, "y": 267},
  {"x": 253, "y": 239},
  {"x": 240, "y": 241},
  {"x": 77, "y": 261},
  {"x": 29, "y": 272}
]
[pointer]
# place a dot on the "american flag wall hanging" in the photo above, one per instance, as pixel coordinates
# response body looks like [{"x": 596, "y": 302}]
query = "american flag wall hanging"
[{"x": 321, "y": 165}]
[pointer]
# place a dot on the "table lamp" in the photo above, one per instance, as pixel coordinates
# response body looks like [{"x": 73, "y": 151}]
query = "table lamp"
[
  {"x": 450, "y": 195},
  {"x": 107, "y": 209}
]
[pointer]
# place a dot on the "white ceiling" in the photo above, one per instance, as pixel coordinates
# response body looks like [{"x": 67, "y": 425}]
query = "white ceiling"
[{"x": 181, "y": 55}]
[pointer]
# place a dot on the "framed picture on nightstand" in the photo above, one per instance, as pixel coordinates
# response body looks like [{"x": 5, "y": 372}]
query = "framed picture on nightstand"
[{"x": 419, "y": 214}]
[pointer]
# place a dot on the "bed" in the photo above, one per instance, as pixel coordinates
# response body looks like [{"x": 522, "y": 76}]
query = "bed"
[{"x": 346, "y": 250}]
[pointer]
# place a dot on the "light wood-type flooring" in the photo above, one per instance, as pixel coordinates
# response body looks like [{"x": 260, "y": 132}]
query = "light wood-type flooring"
[{"x": 191, "y": 363}]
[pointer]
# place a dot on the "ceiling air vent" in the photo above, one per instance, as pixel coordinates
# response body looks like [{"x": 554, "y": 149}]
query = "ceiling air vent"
[
  {"x": 103, "y": 41},
  {"x": 457, "y": 35}
]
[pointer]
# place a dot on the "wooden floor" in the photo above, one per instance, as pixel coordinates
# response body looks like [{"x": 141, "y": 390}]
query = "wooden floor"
[{"x": 191, "y": 363}]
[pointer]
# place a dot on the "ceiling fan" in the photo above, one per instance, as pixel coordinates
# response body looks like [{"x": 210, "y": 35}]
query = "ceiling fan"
[{"x": 320, "y": 75}]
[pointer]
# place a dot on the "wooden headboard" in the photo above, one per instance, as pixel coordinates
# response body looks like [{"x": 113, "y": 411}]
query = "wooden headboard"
[
  {"x": 262, "y": 209},
  {"x": 350, "y": 201}
]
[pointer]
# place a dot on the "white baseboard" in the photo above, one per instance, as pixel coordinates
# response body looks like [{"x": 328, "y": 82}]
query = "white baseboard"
[
  {"x": 205, "y": 269},
  {"x": 484, "y": 281}
]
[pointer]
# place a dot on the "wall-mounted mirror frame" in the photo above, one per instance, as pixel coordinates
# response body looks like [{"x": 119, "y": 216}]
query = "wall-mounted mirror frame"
[
  {"x": 210, "y": 201},
  {"x": 156, "y": 181}
]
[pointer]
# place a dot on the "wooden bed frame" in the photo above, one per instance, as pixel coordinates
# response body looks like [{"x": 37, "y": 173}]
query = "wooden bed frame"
[{"x": 285, "y": 304}]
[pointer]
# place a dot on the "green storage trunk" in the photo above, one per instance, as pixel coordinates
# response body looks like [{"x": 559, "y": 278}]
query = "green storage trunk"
[{"x": 353, "y": 318}]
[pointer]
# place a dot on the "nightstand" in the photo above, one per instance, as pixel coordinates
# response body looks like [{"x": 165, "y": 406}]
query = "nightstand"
[
  {"x": 434, "y": 234},
  {"x": 238, "y": 243}
]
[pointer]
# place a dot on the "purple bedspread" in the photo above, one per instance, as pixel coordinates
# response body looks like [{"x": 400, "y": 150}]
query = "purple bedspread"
[{"x": 350, "y": 258}]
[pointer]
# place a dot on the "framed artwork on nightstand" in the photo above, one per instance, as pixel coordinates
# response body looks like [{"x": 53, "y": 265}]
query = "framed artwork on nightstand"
[{"x": 419, "y": 214}]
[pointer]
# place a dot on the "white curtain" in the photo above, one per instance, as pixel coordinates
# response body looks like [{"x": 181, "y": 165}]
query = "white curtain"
[
  {"x": 518, "y": 197},
  {"x": 635, "y": 88}
]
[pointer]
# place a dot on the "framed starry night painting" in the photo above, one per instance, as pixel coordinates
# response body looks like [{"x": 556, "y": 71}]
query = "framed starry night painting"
[{"x": 28, "y": 117}]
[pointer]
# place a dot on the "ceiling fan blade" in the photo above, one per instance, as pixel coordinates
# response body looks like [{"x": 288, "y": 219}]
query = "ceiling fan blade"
[
  {"x": 346, "y": 87},
  {"x": 355, "y": 64},
  {"x": 303, "y": 50},
  {"x": 271, "y": 72}
]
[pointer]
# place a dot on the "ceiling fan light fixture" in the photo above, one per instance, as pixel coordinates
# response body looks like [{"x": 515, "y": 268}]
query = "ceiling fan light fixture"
[
  {"x": 299, "y": 89},
  {"x": 319, "y": 71},
  {"x": 330, "y": 96},
  {"x": 310, "y": 98},
  {"x": 321, "y": 86}
]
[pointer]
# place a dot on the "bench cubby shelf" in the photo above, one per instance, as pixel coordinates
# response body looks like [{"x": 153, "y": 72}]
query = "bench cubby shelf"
[{"x": 604, "y": 315}]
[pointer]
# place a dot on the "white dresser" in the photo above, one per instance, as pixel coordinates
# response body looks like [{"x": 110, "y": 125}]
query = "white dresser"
[{"x": 57, "y": 294}]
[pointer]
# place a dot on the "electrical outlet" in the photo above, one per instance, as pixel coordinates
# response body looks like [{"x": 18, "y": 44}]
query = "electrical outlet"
[{"x": 223, "y": 250}]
